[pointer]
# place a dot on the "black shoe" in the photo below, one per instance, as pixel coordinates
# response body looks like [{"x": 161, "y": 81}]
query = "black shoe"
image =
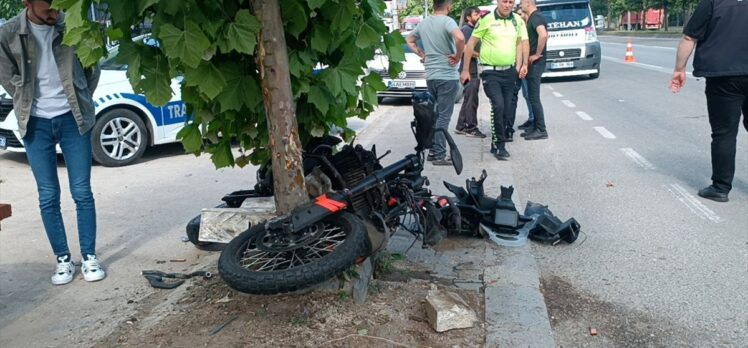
[
  {"x": 502, "y": 154},
  {"x": 526, "y": 132},
  {"x": 712, "y": 193},
  {"x": 526, "y": 125},
  {"x": 460, "y": 131},
  {"x": 536, "y": 135},
  {"x": 430, "y": 157},
  {"x": 476, "y": 133},
  {"x": 494, "y": 149}
]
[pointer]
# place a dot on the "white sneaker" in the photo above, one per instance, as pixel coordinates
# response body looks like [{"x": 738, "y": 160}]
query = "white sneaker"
[
  {"x": 64, "y": 272},
  {"x": 91, "y": 269}
]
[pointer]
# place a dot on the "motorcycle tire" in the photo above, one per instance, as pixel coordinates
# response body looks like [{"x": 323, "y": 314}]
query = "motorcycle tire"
[
  {"x": 193, "y": 231},
  {"x": 238, "y": 275}
]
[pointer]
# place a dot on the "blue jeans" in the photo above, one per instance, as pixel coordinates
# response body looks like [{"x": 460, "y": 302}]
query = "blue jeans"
[
  {"x": 40, "y": 141},
  {"x": 445, "y": 93}
]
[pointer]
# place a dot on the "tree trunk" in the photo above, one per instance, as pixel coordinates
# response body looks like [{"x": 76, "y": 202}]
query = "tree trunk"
[{"x": 280, "y": 110}]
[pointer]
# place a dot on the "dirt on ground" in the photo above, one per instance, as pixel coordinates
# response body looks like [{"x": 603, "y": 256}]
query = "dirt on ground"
[{"x": 208, "y": 313}]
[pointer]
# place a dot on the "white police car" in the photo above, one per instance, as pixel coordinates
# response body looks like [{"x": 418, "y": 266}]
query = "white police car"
[{"x": 126, "y": 124}]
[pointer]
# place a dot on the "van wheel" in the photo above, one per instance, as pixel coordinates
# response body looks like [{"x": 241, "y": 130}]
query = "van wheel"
[{"x": 119, "y": 138}]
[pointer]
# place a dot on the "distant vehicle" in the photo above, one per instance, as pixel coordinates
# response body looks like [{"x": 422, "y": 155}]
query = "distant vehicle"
[
  {"x": 126, "y": 124},
  {"x": 652, "y": 19},
  {"x": 410, "y": 23},
  {"x": 572, "y": 48},
  {"x": 411, "y": 79}
]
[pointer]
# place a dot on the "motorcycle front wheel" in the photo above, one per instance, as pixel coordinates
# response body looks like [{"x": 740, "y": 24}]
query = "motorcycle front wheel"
[{"x": 259, "y": 261}]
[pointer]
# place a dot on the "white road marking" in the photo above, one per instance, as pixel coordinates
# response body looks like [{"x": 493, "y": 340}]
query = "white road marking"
[
  {"x": 605, "y": 133},
  {"x": 635, "y": 45},
  {"x": 583, "y": 115},
  {"x": 646, "y": 66},
  {"x": 557, "y": 95},
  {"x": 637, "y": 158},
  {"x": 693, "y": 204},
  {"x": 568, "y": 103}
]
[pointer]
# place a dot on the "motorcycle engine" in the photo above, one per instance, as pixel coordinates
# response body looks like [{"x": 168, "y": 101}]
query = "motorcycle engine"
[{"x": 354, "y": 163}]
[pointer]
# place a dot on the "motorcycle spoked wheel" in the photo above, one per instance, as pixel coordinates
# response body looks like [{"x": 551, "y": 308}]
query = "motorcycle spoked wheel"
[{"x": 259, "y": 261}]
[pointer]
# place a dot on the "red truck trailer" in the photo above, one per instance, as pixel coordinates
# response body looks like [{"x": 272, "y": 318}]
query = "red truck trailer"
[{"x": 651, "y": 19}]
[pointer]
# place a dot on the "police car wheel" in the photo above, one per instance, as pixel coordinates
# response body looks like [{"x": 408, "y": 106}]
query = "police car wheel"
[{"x": 119, "y": 138}]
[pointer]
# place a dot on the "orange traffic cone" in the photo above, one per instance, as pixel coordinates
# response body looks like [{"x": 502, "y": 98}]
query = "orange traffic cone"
[{"x": 629, "y": 53}]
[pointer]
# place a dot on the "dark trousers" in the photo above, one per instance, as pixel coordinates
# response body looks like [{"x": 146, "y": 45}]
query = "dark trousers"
[
  {"x": 499, "y": 86},
  {"x": 469, "y": 111},
  {"x": 533, "y": 93},
  {"x": 445, "y": 93},
  {"x": 725, "y": 98}
]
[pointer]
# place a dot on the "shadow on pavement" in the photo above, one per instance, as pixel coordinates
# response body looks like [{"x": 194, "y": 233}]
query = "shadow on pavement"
[{"x": 22, "y": 287}]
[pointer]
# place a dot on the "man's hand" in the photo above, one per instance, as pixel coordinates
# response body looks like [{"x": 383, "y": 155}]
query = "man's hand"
[
  {"x": 535, "y": 57},
  {"x": 465, "y": 76},
  {"x": 678, "y": 81},
  {"x": 522, "y": 72},
  {"x": 453, "y": 59}
]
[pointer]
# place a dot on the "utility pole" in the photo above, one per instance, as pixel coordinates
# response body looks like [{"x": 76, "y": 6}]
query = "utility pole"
[{"x": 425, "y": 8}]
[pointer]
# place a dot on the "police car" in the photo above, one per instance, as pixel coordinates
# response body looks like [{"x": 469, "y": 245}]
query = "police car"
[{"x": 126, "y": 124}]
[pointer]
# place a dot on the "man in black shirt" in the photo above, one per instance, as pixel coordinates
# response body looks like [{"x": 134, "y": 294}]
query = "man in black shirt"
[
  {"x": 537, "y": 30},
  {"x": 717, "y": 29},
  {"x": 467, "y": 123}
]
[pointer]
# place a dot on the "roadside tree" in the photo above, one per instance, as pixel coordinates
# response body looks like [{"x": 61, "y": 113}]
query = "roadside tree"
[{"x": 260, "y": 73}]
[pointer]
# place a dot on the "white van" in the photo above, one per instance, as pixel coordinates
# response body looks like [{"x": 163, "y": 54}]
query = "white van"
[{"x": 573, "y": 48}]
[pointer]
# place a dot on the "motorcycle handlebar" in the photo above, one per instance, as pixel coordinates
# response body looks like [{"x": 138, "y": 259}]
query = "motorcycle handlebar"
[{"x": 385, "y": 173}]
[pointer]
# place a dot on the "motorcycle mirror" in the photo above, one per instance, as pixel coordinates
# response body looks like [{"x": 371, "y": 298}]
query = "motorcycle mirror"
[{"x": 454, "y": 152}]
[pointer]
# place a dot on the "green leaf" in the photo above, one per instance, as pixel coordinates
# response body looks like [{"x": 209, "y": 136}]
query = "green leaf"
[
  {"x": 294, "y": 16},
  {"x": 393, "y": 43},
  {"x": 115, "y": 33},
  {"x": 331, "y": 78},
  {"x": 74, "y": 13},
  {"x": 395, "y": 68},
  {"x": 122, "y": 11},
  {"x": 375, "y": 81},
  {"x": 191, "y": 138},
  {"x": 319, "y": 98},
  {"x": 157, "y": 84},
  {"x": 207, "y": 78},
  {"x": 321, "y": 39},
  {"x": 315, "y": 4},
  {"x": 144, "y": 5},
  {"x": 187, "y": 45},
  {"x": 343, "y": 17},
  {"x": 378, "y": 6},
  {"x": 367, "y": 37},
  {"x": 241, "y": 35},
  {"x": 221, "y": 155}
]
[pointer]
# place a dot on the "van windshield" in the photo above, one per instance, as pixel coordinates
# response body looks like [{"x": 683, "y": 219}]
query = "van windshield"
[{"x": 567, "y": 16}]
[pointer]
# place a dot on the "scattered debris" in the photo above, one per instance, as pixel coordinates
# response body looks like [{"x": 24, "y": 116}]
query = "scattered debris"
[
  {"x": 160, "y": 262},
  {"x": 218, "y": 328},
  {"x": 447, "y": 310},
  {"x": 593, "y": 331},
  {"x": 610, "y": 184},
  {"x": 225, "y": 299},
  {"x": 155, "y": 278},
  {"x": 185, "y": 239},
  {"x": 178, "y": 260}
]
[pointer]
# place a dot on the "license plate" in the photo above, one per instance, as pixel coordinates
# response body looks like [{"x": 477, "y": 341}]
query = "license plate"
[
  {"x": 3, "y": 142},
  {"x": 562, "y": 65},
  {"x": 402, "y": 84}
]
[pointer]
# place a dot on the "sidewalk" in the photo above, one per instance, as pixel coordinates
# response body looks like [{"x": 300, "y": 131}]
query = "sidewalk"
[{"x": 515, "y": 311}]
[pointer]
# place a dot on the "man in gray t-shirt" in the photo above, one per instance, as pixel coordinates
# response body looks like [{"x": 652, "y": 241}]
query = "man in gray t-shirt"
[{"x": 443, "y": 43}]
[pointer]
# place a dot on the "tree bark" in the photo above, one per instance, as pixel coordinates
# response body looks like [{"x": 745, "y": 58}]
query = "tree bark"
[{"x": 280, "y": 110}]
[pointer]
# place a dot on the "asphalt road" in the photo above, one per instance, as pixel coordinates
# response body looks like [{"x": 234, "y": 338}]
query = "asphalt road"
[{"x": 657, "y": 265}]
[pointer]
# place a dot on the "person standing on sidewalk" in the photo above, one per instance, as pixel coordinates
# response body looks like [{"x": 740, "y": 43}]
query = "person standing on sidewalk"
[
  {"x": 537, "y": 29},
  {"x": 443, "y": 44},
  {"x": 717, "y": 29},
  {"x": 52, "y": 100},
  {"x": 502, "y": 35},
  {"x": 530, "y": 123},
  {"x": 467, "y": 123}
]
